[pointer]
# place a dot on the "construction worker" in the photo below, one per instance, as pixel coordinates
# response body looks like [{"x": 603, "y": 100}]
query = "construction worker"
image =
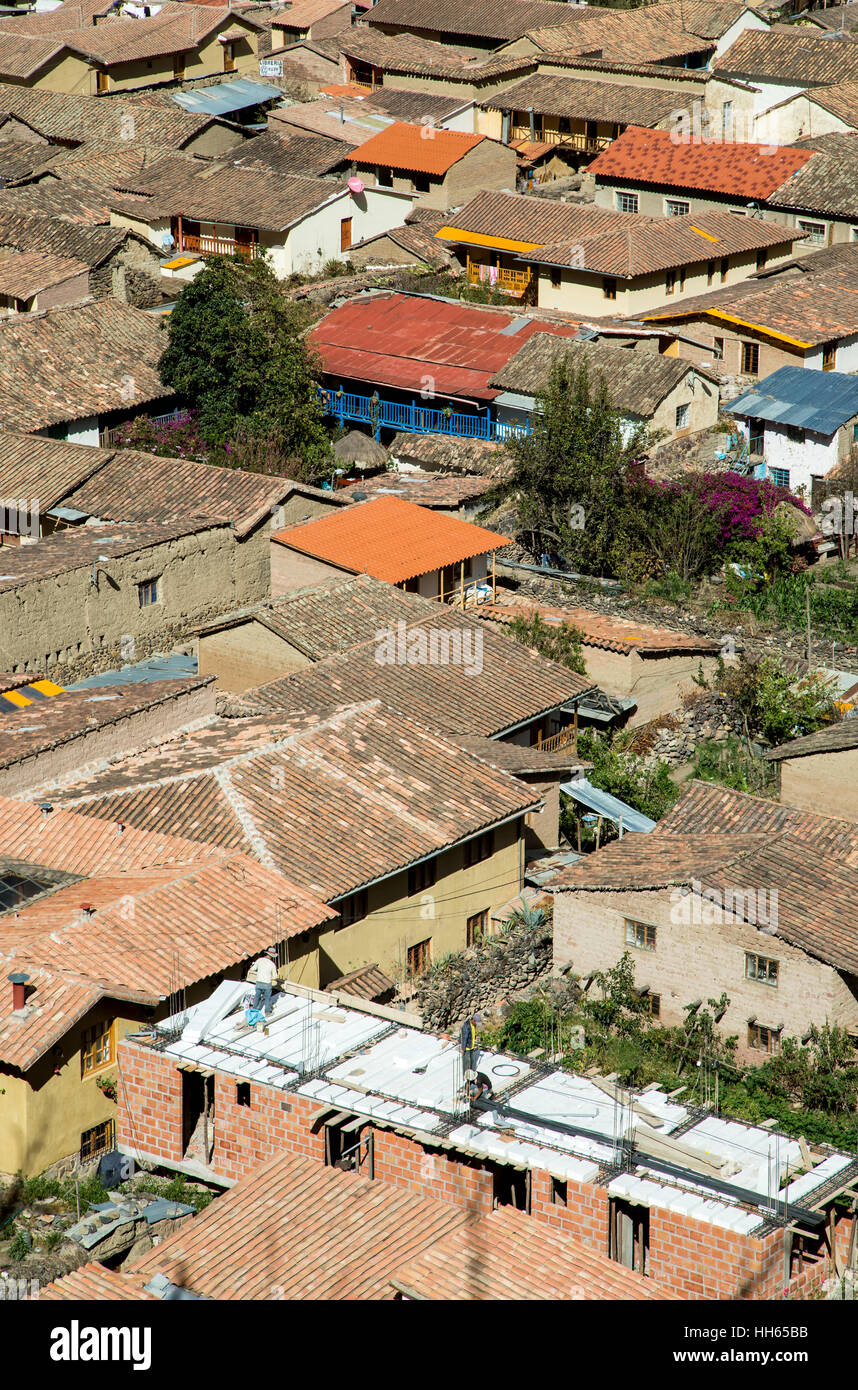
[
  {"x": 265, "y": 969},
  {"x": 468, "y": 1043}
]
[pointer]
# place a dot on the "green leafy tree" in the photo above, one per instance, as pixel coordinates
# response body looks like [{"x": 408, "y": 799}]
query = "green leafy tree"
[
  {"x": 558, "y": 643},
  {"x": 645, "y": 786},
  {"x": 237, "y": 356},
  {"x": 571, "y": 474},
  {"x": 775, "y": 704}
]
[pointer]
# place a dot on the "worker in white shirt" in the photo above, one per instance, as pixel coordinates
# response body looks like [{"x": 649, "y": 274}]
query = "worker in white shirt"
[{"x": 265, "y": 969}]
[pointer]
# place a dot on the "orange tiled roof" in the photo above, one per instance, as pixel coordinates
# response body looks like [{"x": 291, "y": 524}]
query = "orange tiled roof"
[
  {"x": 733, "y": 168},
  {"x": 419, "y": 149},
  {"x": 391, "y": 539},
  {"x": 507, "y": 1255},
  {"x": 612, "y": 634}
]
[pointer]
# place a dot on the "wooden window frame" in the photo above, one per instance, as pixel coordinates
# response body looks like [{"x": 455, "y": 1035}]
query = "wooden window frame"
[
  {"x": 771, "y": 1046},
  {"x": 609, "y": 287},
  {"x": 750, "y": 350},
  {"x": 144, "y": 589},
  {"x": 419, "y": 958},
  {"x": 631, "y": 929},
  {"x": 752, "y": 969},
  {"x": 93, "y": 1056},
  {"x": 105, "y": 1130},
  {"x": 672, "y": 206},
  {"x": 476, "y": 927}
]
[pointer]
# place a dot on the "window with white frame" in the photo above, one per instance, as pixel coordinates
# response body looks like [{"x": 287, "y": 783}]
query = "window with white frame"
[
  {"x": 683, "y": 415},
  {"x": 675, "y": 207},
  {"x": 814, "y": 232},
  {"x": 627, "y": 202}
]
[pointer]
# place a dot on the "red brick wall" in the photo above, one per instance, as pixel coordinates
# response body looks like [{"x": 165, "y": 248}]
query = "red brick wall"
[{"x": 692, "y": 1258}]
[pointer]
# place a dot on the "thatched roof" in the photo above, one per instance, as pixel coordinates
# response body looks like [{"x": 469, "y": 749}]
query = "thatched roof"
[{"x": 360, "y": 451}]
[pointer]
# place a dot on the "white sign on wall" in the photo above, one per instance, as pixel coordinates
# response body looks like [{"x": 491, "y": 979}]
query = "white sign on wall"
[{"x": 270, "y": 67}]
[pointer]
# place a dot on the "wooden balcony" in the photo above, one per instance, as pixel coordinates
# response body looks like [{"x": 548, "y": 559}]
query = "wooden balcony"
[
  {"x": 573, "y": 140},
  {"x": 507, "y": 281},
  {"x": 219, "y": 246},
  {"x": 565, "y": 739}
]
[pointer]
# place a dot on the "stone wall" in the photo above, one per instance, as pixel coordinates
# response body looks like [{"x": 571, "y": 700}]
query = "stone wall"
[{"x": 483, "y": 976}]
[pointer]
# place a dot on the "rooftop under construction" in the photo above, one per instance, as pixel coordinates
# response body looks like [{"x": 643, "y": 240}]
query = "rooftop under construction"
[{"x": 646, "y": 1147}]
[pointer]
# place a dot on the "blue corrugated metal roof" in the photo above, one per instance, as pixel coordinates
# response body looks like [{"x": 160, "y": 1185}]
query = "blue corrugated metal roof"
[
  {"x": 223, "y": 97},
  {"x": 811, "y": 400},
  {"x": 611, "y": 807}
]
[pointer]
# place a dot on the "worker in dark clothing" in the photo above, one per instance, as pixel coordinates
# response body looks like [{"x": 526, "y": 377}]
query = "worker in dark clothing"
[
  {"x": 481, "y": 1088},
  {"x": 468, "y": 1043}
]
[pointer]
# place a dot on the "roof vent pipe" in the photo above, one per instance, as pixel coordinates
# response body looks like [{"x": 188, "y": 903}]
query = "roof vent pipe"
[
  {"x": 18, "y": 982},
  {"x": 46, "y": 808}
]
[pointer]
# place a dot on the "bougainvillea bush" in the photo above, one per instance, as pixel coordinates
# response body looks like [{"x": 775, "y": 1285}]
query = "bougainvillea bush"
[{"x": 175, "y": 438}]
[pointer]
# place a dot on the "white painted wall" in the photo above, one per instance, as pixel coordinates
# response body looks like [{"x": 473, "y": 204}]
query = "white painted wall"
[
  {"x": 812, "y": 457},
  {"x": 316, "y": 238},
  {"x": 748, "y": 20},
  {"x": 846, "y": 359},
  {"x": 83, "y": 431}
]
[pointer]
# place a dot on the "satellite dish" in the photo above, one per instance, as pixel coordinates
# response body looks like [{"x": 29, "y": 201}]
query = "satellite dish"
[{"x": 355, "y": 185}]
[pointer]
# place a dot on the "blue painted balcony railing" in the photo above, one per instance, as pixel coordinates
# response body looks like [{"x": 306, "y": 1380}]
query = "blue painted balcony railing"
[{"x": 414, "y": 418}]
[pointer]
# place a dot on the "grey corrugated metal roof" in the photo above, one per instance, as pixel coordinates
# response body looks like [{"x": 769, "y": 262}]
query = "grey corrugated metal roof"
[
  {"x": 223, "y": 97},
  {"x": 606, "y": 805},
  {"x": 813, "y": 400}
]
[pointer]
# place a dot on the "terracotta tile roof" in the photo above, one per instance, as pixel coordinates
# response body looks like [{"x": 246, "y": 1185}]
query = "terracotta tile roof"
[
  {"x": 418, "y": 57},
  {"x": 24, "y": 733},
  {"x": 439, "y": 490},
  {"x": 31, "y": 466},
  {"x": 321, "y": 118},
  {"x": 55, "y": 1005},
  {"x": 70, "y": 116},
  {"x": 156, "y": 930},
  {"x": 78, "y": 361},
  {"x": 33, "y": 230},
  {"x": 139, "y": 487},
  {"x": 642, "y": 35},
  {"x": 403, "y": 146},
  {"x": 367, "y": 983},
  {"x": 514, "y": 686},
  {"x": 653, "y": 244},
  {"x": 404, "y": 104},
  {"x": 94, "y": 1282},
  {"x": 531, "y": 221},
  {"x": 813, "y": 889},
  {"x": 176, "y": 28},
  {"x": 827, "y": 182},
  {"x": 19, "y": 158},
  {"x": 604, "y": 631},
  {"x": 21, "y": 55},
  {"x": 708, "y": 19},
  {"x": 333, "y": 616},
  {"x": 315, "y": 1232},
  {"x": 654, "y": 157},
  {"x": 516, "y": 757},
  {"x": 834, "y": 739},
  {"x": 399, "y": 340},
  {"x": 811, "y": 305},
  {"x": 72, "y": 197},
  {"x": 840, "y": 99},
  {"x": 502, "y": 21},
  {"x": 307, "y": 155},
  {"x": 381, "y": 788},
  {"x": 795, "y": 59},
  {"x": 418, "y": 240},
  {"x": 391, "y": 539},
  {"x": 509, "y": 1256},
  {"x": 301, "y": 14},
  {"x": 704, "y": 808},
  {"x": 239, "y": 194},
  {"x": 80, "y": 546},
  {"x": 638, "y": 381},
  {"x": 26, "y": 273},
  {"x": 578, "y": 99},
  {"x": 443, "y": 452}
]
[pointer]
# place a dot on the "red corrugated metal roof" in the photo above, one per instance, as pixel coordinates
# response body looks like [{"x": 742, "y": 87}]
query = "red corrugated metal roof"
[{"x": 416, "y": 344}]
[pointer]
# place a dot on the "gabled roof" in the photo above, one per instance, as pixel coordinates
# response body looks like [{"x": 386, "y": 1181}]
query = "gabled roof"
[
  {"x": 513, "y": 686},
  {"x": 827, "y": 182},
  {"x": 555, "y": 95},
  {"x": 79, "y": 547},
  {"x": 33, "y": 230},
  {"x": 243, "y": 195},
  {"x": 603, "y": 630},
  {"x": 78, "y": 361},
  {"x": 812, "y": 301},
  {"x": 820, "y": 402},
  {"x": 796, "y": 59},
  {"x": 48, "y": 469},
  {"x": 72, "y": 116},
  {"x": 707, "y": 808},
  {"x": 637, "y": 381},
  {"x": 334, "y": 802},
  {"x": 391, "y": 539},
  {"x": 403, "y": 146},
  {"x": 502, "y": 20},
  {"x": 656, "y": 157}
]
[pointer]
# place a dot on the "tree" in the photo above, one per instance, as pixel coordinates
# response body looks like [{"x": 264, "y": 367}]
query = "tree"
[
  {"x": 572, "y": 472},
  {"x": 774, "y": 703},
  {"x": 238, "y": 357}
]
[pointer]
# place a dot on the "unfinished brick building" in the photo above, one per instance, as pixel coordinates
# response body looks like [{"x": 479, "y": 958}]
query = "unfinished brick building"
[{"x": 708, "y": 1208}]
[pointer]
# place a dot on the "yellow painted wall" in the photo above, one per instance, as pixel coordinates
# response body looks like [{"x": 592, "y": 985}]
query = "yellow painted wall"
[{"x": 396, "y": 921}]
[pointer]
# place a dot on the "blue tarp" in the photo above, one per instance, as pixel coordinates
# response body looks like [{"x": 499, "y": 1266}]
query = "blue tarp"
[
  {"x": 224, "y": 97},
  {"x": 811, "y": 400},
  {"x": 606, "y": 805}
]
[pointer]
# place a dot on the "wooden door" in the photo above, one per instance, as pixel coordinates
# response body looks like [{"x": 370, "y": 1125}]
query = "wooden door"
[{"x": 346, "y": 234}]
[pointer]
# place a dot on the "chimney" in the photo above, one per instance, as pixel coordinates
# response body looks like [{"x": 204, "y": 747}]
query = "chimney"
[
  {"x": 46, "y": 808},
  {"x": 88, "y": 910},
  {"x": 18, "y": 982}
]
